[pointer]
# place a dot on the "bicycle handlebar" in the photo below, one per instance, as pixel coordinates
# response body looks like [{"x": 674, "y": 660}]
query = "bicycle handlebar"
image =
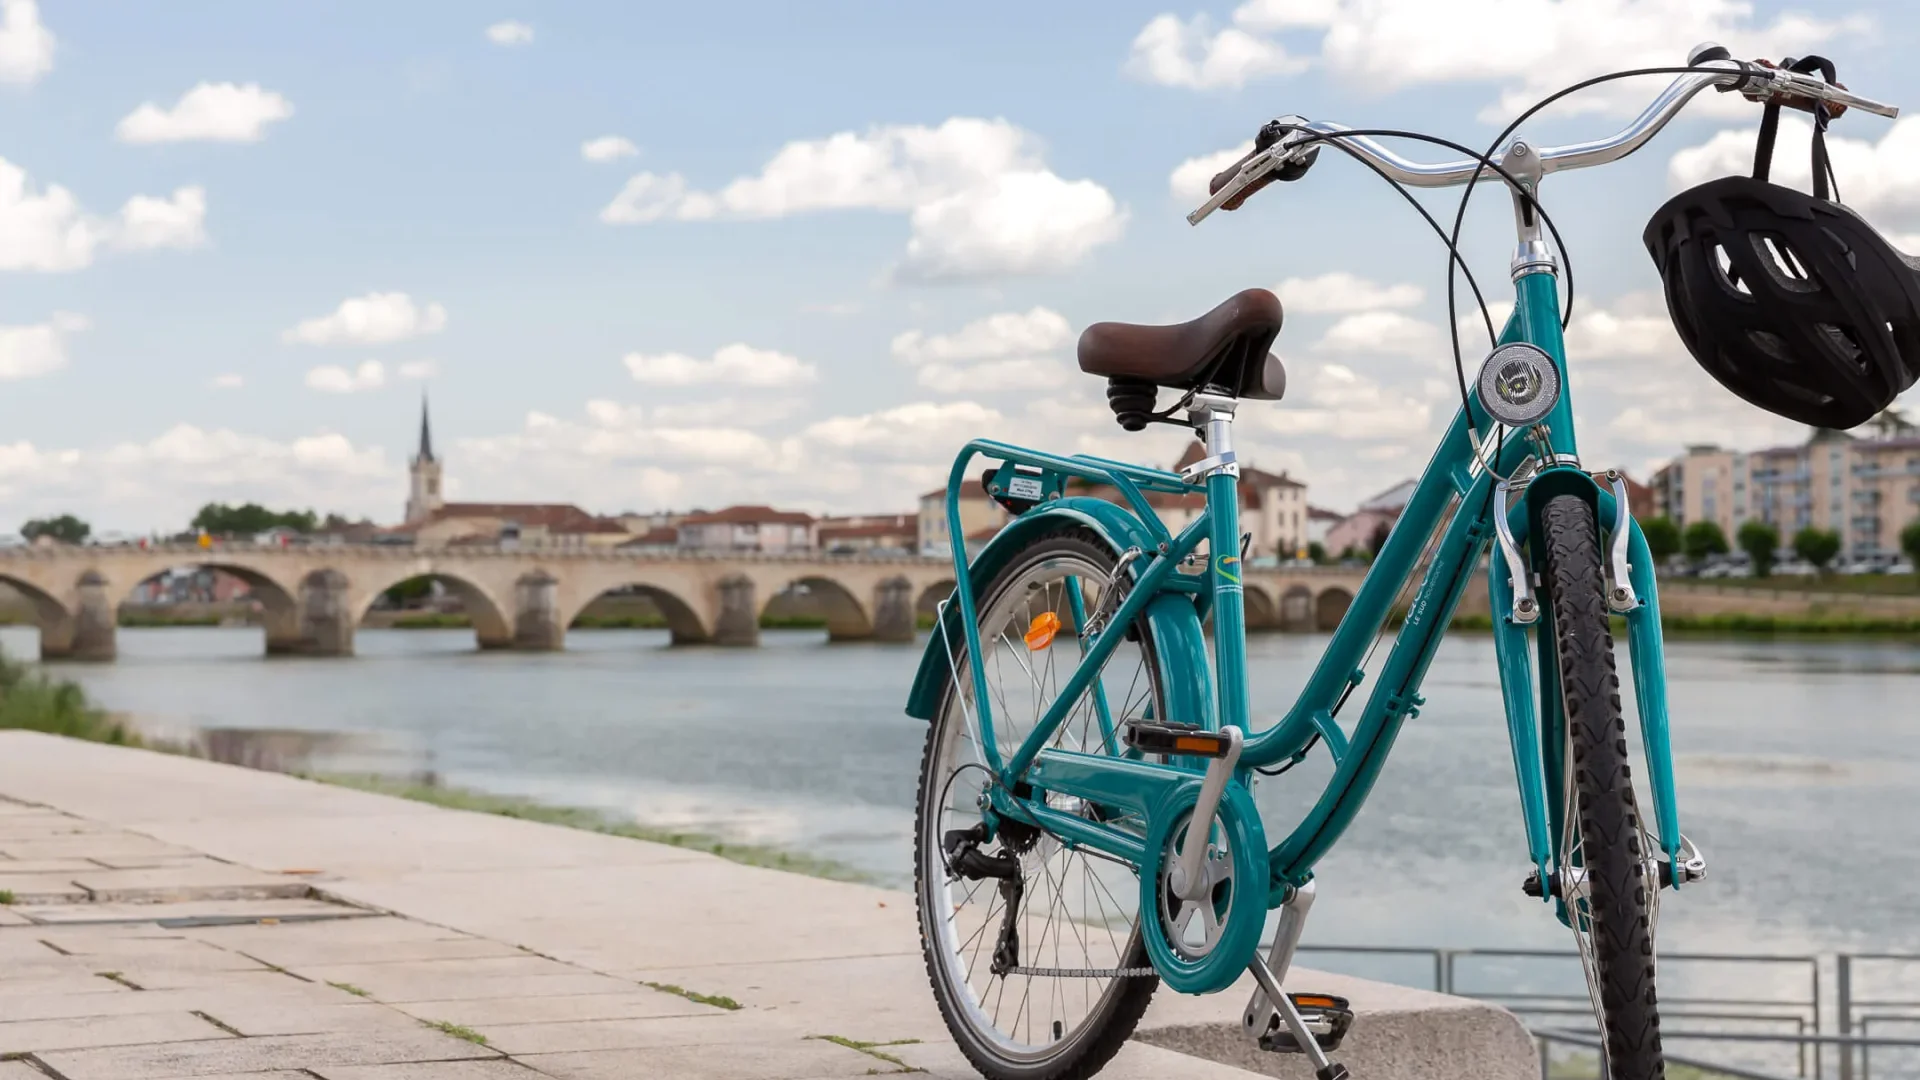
[{"x": 1288, "y": 154}]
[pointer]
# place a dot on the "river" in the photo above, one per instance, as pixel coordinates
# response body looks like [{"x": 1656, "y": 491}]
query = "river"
[{"x": 1798, "y": 763}]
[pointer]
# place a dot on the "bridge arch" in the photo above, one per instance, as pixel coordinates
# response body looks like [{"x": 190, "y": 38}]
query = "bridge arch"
[
  {"x": 274, "y": 596},
  {"x": 847, "y": 617},
  {"x": 1258, "y": 609},
  {"x": 1296, "y": 608},
  {"x": 54, "y": 620},
  {"x": 492, "y": 623},
  {"x": 683, "y": 619},
  {"x": 1330, "y": 606}
]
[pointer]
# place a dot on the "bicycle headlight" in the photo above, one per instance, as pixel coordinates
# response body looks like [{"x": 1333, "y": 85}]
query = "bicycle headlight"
[{"x": 1519, "y": 385}]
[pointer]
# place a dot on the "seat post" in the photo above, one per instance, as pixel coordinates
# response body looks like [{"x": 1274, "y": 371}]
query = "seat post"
[{"x": 1212, "y": 417}]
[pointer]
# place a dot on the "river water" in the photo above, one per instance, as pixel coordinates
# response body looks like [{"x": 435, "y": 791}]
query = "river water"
[{"x": 1798, "y": 763}]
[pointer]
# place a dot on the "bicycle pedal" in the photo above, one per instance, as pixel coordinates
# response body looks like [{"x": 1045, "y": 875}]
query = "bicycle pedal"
[
  {"x": 1326, "y": 1017},
  {"x": 1173, "y": 738}
]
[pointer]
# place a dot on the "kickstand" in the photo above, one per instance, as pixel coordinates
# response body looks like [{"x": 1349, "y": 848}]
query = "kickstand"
[{"x": 1323, "y": 1069}]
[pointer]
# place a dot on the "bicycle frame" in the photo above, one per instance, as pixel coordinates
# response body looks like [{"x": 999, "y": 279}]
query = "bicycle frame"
[{"x": 1454, "y": 478}]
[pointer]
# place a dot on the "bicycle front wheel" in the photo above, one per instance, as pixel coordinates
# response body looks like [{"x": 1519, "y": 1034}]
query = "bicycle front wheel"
[
  {"x": 1608, "y": 882},
  {"x": 1033, "y": 947}
]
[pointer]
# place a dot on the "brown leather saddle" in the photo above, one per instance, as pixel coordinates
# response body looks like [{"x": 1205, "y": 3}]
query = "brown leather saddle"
[{"x": 1226, "y": 348}]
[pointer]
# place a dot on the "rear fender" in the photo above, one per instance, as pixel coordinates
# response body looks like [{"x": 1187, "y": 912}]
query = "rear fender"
[{"x": 1180, "y": 646}]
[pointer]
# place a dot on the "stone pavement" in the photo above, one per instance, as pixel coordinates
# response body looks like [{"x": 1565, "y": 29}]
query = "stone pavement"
[{"x": 174, "y": 918}]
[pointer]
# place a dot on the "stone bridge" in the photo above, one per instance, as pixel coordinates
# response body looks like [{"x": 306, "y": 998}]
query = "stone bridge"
[{"x": 313, "y": 597}]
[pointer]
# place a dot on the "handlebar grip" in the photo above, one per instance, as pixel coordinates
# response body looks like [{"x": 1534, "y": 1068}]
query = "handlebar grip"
[{"x": 1271, "y": 132}]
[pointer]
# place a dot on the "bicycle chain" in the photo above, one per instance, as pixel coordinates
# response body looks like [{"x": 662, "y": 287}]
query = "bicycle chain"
[{"x": 1084, "y": 973}]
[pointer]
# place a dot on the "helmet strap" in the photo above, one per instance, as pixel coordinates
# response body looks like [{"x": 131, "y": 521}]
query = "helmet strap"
[{"x": 1824, "y": 185}]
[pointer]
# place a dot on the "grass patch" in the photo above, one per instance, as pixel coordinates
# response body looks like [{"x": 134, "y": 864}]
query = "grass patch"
[
  {"x": 1789, "y": 624},
  {"x": 351, "y": 989},
  {"x": 575, "y": 817},
  {"x": 6, "y": 897},
  {"x": 718, "y": 1001},
  {"x": 32, "y": 701},
  {"x": 872, "y": 1050},
  {"x": 114, "y": 976},
  {"x": 632, "y": 621},
  {"x": 146, "y": 620},
  {"x": 457, "y": 1031},
  {"x": 1880, "y": 584}
]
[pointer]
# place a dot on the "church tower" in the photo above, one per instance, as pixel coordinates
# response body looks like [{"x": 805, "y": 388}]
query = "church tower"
[{"x": 424, "y": 495}]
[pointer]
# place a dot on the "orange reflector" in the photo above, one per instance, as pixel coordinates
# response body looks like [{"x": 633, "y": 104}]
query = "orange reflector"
[
  {"x": 1198, "y": 744},
  {"x": 1313, "y": 1001},
  {"x": 1040, "y": 633}
]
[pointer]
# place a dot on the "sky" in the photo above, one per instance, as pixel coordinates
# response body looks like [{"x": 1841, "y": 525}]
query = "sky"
[{"x": 655, "y": 256}]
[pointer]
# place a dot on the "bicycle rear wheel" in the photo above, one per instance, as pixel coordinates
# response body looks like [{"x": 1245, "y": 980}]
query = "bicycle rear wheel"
[
  {"x": 1608, "y": 881},
  {"x": 1040, "y": 973}
]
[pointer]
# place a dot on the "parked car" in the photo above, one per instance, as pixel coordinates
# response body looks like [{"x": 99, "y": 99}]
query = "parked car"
[
  {"x": 1901, "y": 567},
  {"x": 1794, "y": 568}
]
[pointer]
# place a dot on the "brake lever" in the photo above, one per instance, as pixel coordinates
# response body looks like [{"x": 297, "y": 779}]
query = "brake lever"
[
  {"x": 1274, "y": 157},
  {"x": 1255, "y": 166}
]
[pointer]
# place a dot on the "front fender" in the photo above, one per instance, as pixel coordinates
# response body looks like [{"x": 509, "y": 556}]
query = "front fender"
[{"x": 1181, "y": 646}]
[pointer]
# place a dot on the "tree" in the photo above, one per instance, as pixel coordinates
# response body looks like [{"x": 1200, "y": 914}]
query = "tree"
[
  {"x": 410, "y": 590},
  {"x": 1317, "y": 551},
  {"x": 1702, "y": 539},
  {"x": 221, "y": 519},
  {"x": 1910, "y": 543},
  {"x": 1759, "y": 540},
  {"x": 1663, "y": 538},
  {"x": 66, "y": 528},
  {"x": 1817, "y": 546},
  {"x": 1890, "y": 422}
]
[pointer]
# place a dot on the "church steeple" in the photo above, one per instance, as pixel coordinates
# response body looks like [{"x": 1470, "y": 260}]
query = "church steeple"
[
  {"x": 426, "y": 434},
  {"x": 423, "y": 490}
]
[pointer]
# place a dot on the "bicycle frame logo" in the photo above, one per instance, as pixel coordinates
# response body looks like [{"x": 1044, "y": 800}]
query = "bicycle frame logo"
[{"x": 1228, "y": 567}]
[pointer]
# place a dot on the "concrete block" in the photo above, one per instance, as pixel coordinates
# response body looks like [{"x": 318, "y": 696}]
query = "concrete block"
[
  {"x": 10, "y": 917},
  {"x": 9, "y": 868},
  {"x": 34, "y": 889},
  {"x": 247, "y": 910},
  {"x": 1397, "y": 1032},
  {"x": 266, "y": 1054},
  {"x": 254, "y": 1017},
  {"x": 212, "y": 1000},
  {"x": 28, "y": 1036},
  {"x": 318, "y": 950},
  {"x": 454, "y": 985},
  {"x": 484, "y": 1013}
]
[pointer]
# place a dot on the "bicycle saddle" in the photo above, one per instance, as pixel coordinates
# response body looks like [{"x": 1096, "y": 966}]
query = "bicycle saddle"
[{"x": 1225, "y": 347}]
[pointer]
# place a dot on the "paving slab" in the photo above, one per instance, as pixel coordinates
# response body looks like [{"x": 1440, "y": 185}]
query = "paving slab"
[
  {"x": 716, "y": 1029},
  {"x": 20, "y": 1070},
  {"x": 203, "y": 911},
  {"x": 319, "y": 950},
  {"x": 799, "y": 1059},
  {"x": 27, "y": 1036},
  {"x": 252, "y": 1017},
  {"x": 430, "y": 1070},
  {"x": 33, "y": 890},
  {"x": 564, "y": 1008},
  {"x": 62, "y": 867},
  {"x": 211, "y": 1000},
  {"x": 10, "y": 917},
  {"x": 261, "y": 1055},
  {"x": 204, "y": 879}
]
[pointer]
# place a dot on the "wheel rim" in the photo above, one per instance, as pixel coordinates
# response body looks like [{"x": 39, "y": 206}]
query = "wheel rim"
[{"x": 1078, "y": 911}]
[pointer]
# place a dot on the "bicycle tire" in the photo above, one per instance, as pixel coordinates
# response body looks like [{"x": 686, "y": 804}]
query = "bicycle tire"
[
  {"x": 1618, "y": 897},
  {"x": 1109, "y": 1023}
]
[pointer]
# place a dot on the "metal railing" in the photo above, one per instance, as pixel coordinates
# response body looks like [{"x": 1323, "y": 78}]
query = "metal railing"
[{"x": 1716, "y": 999}]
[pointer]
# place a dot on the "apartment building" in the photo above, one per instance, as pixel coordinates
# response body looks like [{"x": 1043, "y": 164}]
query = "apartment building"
[{"x": 1864, "y": 490}]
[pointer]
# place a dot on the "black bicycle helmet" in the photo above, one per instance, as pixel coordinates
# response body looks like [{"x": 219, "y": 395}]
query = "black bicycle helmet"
[{"x": 1791, "y": 301}]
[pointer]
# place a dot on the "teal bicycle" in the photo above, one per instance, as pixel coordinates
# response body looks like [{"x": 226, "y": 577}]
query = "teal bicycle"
[{"x": 1086, "y": 829}]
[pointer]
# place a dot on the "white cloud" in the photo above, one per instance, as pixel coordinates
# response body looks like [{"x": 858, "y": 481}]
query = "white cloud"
[
  {"x": 509, "y": 33},
  {"x": 1335, "y": 400},
  {"x": 1529, "y": 47},
  {"x": 1194, "y": 55},
  {"x": 903, "y": 432},
  {"x": 50, "y": 231},
  {"x": 418, "y": 369},
  {"x": 148, "y": 222},
  {"x": 977, "y": 193},
  {"x": 734, "y": 365},
  {"x": 215, "y": 112},
  {"x": 1875, "y": 177},
  {"x": 26, "y": 46},
  {"x": 1191, "y": 177},
  {"x": 608, "y": 148},
  {"x": 373, "y": 319},
  {"x": 845, "y": 307},
  {"x": 155, "y": 483},
  {"x": 229, "y": 381},
  {"x": 1340, "y": 291},
  {"x": 1380, "y": 333},
  {"x": 39, "y": 349},
  {"x": 337, "y": 379},
  {"x": 1008, "y": 351}
]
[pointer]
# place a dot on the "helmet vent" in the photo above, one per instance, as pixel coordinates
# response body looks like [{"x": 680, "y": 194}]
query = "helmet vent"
[
  {"x": 1782, "y": 264},
  {"x": 1729, "y": 273},
  {"x": 1772, "y": 344},
  {"x": 1839, "y": 341}
]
